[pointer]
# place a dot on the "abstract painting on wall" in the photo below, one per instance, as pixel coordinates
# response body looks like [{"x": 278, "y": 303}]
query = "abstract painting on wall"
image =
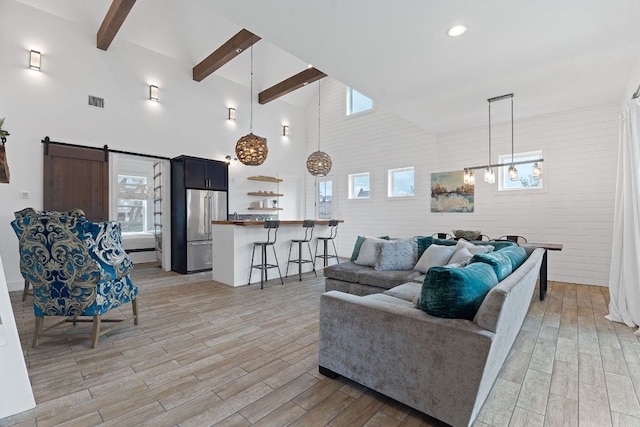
[{"x": 449, "y": 193}]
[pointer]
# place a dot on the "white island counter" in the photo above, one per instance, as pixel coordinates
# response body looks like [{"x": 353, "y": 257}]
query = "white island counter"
[{"x": 233, "y": 244}]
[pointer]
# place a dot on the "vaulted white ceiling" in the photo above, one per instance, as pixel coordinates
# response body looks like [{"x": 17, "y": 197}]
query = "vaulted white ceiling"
[{"x": 553, "y": 55}]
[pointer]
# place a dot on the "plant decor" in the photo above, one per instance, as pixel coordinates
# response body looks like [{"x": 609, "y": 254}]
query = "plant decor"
[{"x": 3, "y": 133}]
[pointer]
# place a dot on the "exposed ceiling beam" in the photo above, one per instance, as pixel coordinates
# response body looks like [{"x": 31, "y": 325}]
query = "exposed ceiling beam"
[
  {"x": 225, "y": 53},
  {"x": 112, "y": 22},
  {"x": 301, "y": 79}
]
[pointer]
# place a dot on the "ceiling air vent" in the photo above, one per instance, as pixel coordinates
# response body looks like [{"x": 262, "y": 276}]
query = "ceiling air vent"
[{"x": 96, "y": 101}]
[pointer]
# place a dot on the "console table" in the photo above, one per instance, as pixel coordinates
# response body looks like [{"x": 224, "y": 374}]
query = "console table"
[{"x": 543, "y": 268}]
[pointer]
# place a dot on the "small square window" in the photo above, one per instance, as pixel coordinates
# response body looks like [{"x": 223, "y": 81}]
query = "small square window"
[
  {"x": 357, "y": 102},
  {"x": 526, "y": 178},
  {"x": 401, "y": 182},
  {"x": 359, "y": 185}
]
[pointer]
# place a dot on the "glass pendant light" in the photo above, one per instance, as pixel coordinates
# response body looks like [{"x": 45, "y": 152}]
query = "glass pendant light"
[
  {"x": 472, "y": 178},
  {"x": 466, "y": 176},
  {"x": 537, "y": 170},
  {"x": 489, "y": 176}
]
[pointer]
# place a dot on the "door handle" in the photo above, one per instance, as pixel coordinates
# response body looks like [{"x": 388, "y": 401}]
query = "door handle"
[{"x": 199, "y": 243}]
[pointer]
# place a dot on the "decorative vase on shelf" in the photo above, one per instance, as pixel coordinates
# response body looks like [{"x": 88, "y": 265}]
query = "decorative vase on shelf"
[{"x": 275, "y": 203}]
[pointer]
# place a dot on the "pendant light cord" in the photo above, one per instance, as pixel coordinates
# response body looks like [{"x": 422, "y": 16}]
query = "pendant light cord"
[
  {"x": 318, "y": 115},
  {"x": 512, "y": 131},
  {"x": 489, "y": 133},
  {"x": 251, "y": 96}
]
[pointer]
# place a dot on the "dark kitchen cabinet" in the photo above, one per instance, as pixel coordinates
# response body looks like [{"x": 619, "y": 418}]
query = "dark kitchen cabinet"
[{"x": 205, "y": 174}]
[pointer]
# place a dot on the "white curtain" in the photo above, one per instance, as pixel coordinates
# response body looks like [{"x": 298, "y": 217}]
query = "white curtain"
[{"x": 624, "y": 278}]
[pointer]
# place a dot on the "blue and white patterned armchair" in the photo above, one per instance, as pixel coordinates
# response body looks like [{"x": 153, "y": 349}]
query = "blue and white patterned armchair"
[{"x": 76, "y": 267}]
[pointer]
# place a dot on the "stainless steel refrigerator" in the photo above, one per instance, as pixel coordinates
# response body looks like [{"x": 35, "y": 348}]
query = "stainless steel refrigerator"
[{"x": 203, "y": 206}]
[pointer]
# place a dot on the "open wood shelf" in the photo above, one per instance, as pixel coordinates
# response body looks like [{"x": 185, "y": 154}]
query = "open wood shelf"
[
  {"x": 257, "y": 193},
  {"x": 265, "y": 209},
  {"x": 264, "y": 178}
]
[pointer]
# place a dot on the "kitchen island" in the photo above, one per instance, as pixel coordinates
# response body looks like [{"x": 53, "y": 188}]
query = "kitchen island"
[{"x": 233, "y": 244}]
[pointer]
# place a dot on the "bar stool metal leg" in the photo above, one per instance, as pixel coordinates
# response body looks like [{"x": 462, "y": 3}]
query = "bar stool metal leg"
[
  {"x": 277, "y": 264},
  {"x": 263, "y": 269},
  {"x": 253, "y": 253},
  {"x": 313, "y": 261}
]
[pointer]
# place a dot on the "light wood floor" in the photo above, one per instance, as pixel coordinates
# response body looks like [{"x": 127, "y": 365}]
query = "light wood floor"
[{"x": 208, "y": 354}]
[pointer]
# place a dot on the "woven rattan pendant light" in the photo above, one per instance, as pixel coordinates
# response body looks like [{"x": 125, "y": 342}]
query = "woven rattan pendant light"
[
  {"x": 319, "y": 163},
  {"x": 252, "y": 149}
]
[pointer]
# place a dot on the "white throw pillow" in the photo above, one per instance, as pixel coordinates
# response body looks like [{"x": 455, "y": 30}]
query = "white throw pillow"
[
  {"x": 435, "y": 255},
  {"x": 368, "y": 252},
  {"x": 473, "y": 249},
  {"x": 460, "y": 258}
]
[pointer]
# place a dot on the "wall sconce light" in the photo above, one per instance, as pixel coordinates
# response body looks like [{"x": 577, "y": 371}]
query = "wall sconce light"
[
  {"x": 34, "y": 60},
  {"x": 285, "y": 130},
  {"x": 153, "y": 93},
  {"x": 231, "y": 114}
]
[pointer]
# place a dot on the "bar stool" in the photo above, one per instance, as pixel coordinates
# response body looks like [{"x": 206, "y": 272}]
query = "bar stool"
[
  {"x": 264, "y": 265},
  {"x": 307, "y": 224},
  {"x": 333, "y": 232}
]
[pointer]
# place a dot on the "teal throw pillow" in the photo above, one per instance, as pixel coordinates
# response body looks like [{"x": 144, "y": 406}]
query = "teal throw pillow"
[
  {"x": 456, "y": 292},
  {"x": 497, "y": 244},
  {"x": 517, "y": 255},
  {"x": 356, "y": 248},
  {"x": 499, "y": 261}
]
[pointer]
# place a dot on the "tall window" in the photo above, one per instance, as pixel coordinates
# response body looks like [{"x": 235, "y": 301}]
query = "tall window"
[
  {"x": 401, "y": 182},
  {"x": 526, "y": 179},
  {"x": 359, "y": 185},
  {"x": 357, "y": 102},
  {"x": 325, "y": 199},
  {"x": 133, "y": 210}
]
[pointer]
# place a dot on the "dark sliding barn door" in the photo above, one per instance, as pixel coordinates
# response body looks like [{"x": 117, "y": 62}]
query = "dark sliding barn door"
[{"x": 76, "y": 177}]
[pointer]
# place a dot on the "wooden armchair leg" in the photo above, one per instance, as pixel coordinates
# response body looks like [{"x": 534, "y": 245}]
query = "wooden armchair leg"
[
  {"x": 26, "y": 291},
  {"x": 96, "y": 330},
  {"x": 134, "y": 305},
  {"x": 38, "y": 329}
]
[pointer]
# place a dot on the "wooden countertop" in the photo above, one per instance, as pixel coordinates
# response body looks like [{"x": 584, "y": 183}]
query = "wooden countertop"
[
  {"x": 283, "y": 222},
  {"x": 547, "y": 246}
]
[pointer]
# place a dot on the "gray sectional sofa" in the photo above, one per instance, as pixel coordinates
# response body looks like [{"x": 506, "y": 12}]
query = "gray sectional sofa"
[{"x": 372, "y": 333}]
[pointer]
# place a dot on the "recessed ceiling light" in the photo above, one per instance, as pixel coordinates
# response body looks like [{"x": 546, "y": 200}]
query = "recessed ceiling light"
[{"x": 457, "y": 30}]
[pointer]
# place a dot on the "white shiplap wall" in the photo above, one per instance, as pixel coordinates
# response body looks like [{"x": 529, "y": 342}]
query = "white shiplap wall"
[{"x": 576, "y": 209}]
